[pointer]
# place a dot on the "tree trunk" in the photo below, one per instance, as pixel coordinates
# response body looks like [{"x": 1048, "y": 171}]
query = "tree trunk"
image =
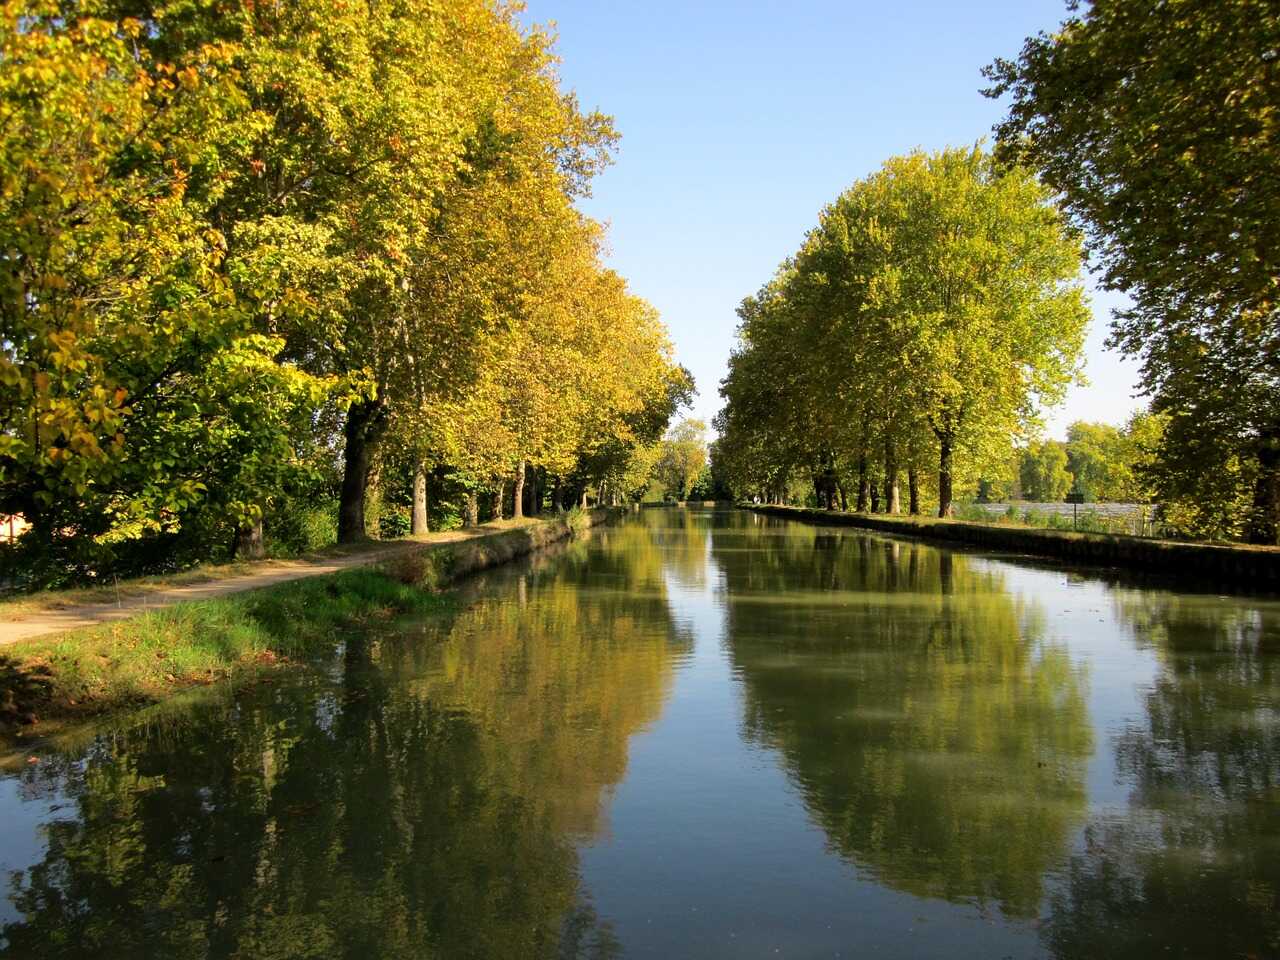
[
  {"x": 1264, "y": 518},
  {"x": 473, "y": 510},
  {"x": 829, "y": 483},
  {"x": 418, "y": 522},
  {"x": 517, "y": 503},
  {"x": 864, "y": 488},
  {"x": 366, "y": 423},
  {"x": 537, "y": 484},
  {"x": 844, "y": 500},
  {"x": 944, "y": 476},
  {"x": 249, "y": 545},
  {"x": 913, "y": 491},
  {"x": 892, "y": 498}
]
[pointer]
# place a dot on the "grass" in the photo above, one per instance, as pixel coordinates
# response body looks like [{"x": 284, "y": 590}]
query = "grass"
[
  {"x": 66, "y": 678},
  {"x": 152, "y": 656},
  {"x": 1086, "y": 521}
]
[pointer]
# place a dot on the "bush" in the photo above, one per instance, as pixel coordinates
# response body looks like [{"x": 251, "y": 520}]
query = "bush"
[
  {"x": 297, "y": 528},
  {"x": 1059, "y": 521},
  {"x": 394, "y": 522},
  {"x": 578, "y": 520}
]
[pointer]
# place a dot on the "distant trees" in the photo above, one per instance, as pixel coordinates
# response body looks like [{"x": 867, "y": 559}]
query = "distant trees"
[
  {"x": 1042, "y": 472},
  {"x": 1115, "y": 463},
  {"x": 934, "y": 307},
  {"x": 1100, "y": 461},
  {"x": 683, "y": 458},
  {"x": 262, "y": 259},
  {"x": 1096, "y": 460},
  {"x": 1156, "y": 125}
]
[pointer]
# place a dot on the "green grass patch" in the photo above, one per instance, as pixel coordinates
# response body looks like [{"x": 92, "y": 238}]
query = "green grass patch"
[{"x": 156, "y": 654}]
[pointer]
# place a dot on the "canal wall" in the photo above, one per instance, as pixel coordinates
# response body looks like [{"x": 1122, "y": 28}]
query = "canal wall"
[
  {"x": 1256, "y": 567},
  {"x": 440, "y": 565}
]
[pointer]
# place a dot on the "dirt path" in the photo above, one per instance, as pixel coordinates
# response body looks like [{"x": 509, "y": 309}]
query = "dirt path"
[{"x": 24, "y": 624}]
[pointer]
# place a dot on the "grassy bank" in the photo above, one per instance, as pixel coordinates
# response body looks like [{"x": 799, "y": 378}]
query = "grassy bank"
[
  {"x": 46, "y": 682},
  {"x": 1245, "y": 566},
  {"x": 157, "y": 654},
  {"x": 19, "y": 604}
]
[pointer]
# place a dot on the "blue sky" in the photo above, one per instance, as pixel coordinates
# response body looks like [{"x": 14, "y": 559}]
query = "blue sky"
[{"x": 741, "y": 120}]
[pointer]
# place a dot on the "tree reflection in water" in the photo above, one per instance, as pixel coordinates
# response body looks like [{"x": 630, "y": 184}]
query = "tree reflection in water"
[
  {"x": 427, "y": 792},
  {"x": 423, "y": 799},
  {"x": 1193, "y": 867},
  {"x": 936, "y": 736}
]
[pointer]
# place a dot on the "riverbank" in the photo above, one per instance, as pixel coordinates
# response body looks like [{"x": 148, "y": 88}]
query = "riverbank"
[
  {"x": 1253, "y": 567},
  {"x": 154, "y": 654}
]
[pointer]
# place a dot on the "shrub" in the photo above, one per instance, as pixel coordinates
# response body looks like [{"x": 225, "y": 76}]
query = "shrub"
[
  {"x": 579, "y": 521},
  {"x": 394, "y": 522},
  {"x": 300, "y": 528}
]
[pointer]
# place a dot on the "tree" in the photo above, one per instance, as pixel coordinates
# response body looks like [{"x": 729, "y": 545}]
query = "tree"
[
  {"x": 1096, "y": 458},
  {"x": 983, "y": 274},
  {"x": 1043, "y": 473},
  {"x": 684, "y": 455},
  {"x": 1140, "y": 440},
  {"x": 137, "y": 397},
  {"x": 1156, "y": 126},
  {"x": 929, "y": 314},
  {"x": 242, "y": 247}
]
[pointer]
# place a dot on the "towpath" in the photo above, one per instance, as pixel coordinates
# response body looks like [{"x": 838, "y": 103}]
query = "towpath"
[{"x": 23, "y": 619}]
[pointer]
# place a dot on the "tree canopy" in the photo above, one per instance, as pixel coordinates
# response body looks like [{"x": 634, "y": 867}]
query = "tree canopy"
[
  {"x": 240, "y": 249},
  {"x": 1156, "y": 125},
  {"x": 924, "y": 320}
]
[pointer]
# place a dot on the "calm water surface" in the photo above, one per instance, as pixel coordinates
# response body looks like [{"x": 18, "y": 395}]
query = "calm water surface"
[{"x": 697, "y": 734}]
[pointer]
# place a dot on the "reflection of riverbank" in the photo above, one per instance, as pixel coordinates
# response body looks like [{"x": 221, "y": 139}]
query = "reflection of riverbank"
[
  {"x": 422, "y": 795},
  {"x": 705, "y": 734},
  {"x": 1194, "y": 868}
]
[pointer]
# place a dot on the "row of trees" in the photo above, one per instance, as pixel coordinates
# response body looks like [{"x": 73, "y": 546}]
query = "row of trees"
[
  {"x": 918, "y": 328},
  {"x": 1155, "y": 124},
  {"x": 259, "y": 256},
  {"x": 1152, "y": 129}
]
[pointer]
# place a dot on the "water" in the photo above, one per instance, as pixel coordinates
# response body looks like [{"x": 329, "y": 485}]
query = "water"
[{"x": 697, "y": 734}]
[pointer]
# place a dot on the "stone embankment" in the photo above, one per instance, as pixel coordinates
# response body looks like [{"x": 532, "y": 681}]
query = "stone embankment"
[{"x": 1246, "y": 566}]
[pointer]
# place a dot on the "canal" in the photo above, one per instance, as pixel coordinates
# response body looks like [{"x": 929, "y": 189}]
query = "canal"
[{"x": 695, "y": 734}]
